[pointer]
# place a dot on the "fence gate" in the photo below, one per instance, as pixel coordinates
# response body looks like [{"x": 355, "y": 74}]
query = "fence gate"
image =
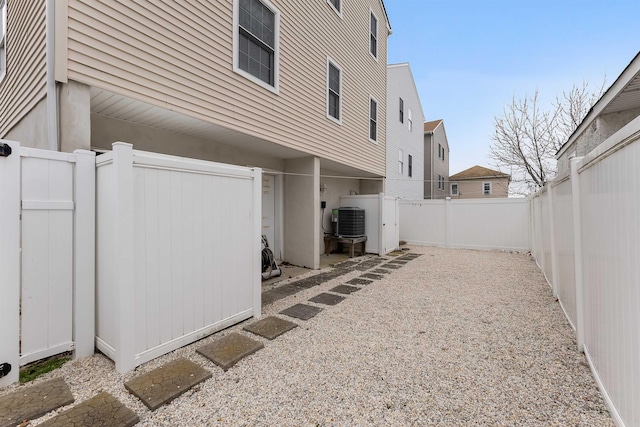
[{"x": 43, "y": 277}]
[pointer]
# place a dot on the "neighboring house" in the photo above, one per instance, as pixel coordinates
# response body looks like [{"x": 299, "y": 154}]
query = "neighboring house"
[
  {"x": 616, "y": 109},
  {"x": 297, "y": 89},
  {"x": 436, "y": 160},
  {"x": 479, "y": 182},
  {"x": 405, "y": 145}
]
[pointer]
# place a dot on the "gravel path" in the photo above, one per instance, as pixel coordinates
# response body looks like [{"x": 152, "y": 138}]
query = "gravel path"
[{"x": 455, "y": 337}]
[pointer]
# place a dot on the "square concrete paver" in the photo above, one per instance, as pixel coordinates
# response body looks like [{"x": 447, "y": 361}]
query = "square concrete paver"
[
  {"x": 398, "y": 261},
  {"x": 30, "y": 402},
  {"x": 372, "y": 276},
  {"x": 358, "y": 281},
  {"x": 163, "y": 384},
  {"x": 344, "y": 289},
  {"x": 301, "y": 311},
  {"x": 101, "y": 410},
  {"x": 392, "y": 266},
  {"x": 380, "y": 271},
  {"x": 270, "y": 327},
  {"x": 229, "y": 350},
  {"x": 327, "y": 299}
]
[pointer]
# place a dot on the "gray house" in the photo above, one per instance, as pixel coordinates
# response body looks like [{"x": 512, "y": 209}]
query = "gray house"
[{"x": 436, "y": 160}]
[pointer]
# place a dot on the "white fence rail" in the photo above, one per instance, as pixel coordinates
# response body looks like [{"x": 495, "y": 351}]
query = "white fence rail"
[
  {"x": 587, "y": 240},
  {"x": 46, "y": 255},
  {"x": 178, "y": 244},
  {"x": 474, "y": 224},
  {"x": 380, "y": 219}
]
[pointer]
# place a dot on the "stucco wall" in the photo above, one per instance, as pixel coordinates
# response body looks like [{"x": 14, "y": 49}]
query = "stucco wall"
[{"x": 31, "y": 130}]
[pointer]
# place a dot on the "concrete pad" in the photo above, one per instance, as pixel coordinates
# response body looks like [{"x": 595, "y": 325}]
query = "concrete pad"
[
  {"x": 33, "y": 401},
  {"x": 101, "y": 410},
  {"x": 372, "y": 276},
  {"x": 227, "y": 351},
  {"x": 301, "y": 311},
  {"x": 270, "y": 327},
  {"x": 344, "y": 289},
  {"x": 358, "y": 281},
  {"x": 163, "y": 384},
  {"x": 327, "y": 299}
]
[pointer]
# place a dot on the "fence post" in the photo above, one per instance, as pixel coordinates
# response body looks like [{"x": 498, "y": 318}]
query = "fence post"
[
  {"x": 577, "y": 249},
  {"x": 257, "y": 242},
  {"x": 124, "y": 264},
  {"x": 382, "y": 241},
  {"x": 554, "y": 261},
  {"x": 447, "y": 221},
  {"x": 84, "y": 221},
  {"x": 10, "y": 177}
]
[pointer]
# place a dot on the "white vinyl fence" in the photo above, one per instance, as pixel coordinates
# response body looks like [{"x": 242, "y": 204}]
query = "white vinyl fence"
[
  {"x": 46, "y": 255},
  {"x": 474, "y": 223},
  {"x": 380, "y": 221},
  {"x": 586, "y": 238},
  {"x": 178, "y": 251}
]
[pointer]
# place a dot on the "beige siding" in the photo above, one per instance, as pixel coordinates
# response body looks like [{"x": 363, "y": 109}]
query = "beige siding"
[
  {"x": 178, "y": 55},
  {"x": 472, "y": 189},
  {"x": 24, "y": 85}
]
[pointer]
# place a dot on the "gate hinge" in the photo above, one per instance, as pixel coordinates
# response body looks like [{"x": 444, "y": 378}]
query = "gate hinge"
[
  {"x": 5, "y": 150},
  {"x": 5, "y": 368}
]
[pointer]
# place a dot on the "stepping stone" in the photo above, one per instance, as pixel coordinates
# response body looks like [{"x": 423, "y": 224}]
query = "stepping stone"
[
  {"x": 410, "y": 256},
  {"x": 344, "y": 289},
  {"x": 380, "y": 271},
  {"x": 227, "y": 351},
  {"x": 357, "y": 281},
  {"x": 372, "y": 276},
  {"x": 392, "y": 266},
  {"x": 278, "y": 293},
  {"x": 270, "y": 327},
  {"x": 301, "y": 311},
  {"x": 327, "y": 299},
  {"x": 398, "y": 261},
  {"x": 346, "y": 265},
  {"x": 369, "y": 264},
  {"x": 30, "y": 402},
  {"x": 101, "y": 410},
  {"x": 163, "y": 384}
]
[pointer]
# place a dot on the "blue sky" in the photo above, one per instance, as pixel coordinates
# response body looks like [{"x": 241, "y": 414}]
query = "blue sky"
[{"x": 469, "y": 58}]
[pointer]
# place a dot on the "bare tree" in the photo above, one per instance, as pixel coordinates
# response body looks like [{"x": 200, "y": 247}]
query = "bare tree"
[{"x": 526, "y": 137}]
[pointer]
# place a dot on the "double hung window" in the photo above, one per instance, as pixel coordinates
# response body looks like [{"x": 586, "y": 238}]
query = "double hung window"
[
  {"x": 334, "y": 91},
  {"x": 373, "y": 120},
  {"x": 3, "y": 38},
  {"x": 373, "y": 40}
]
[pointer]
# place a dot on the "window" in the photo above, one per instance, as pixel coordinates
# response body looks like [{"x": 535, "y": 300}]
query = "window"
[
  {"x": 3, "y": 38},
  {"x": 410, "y": 165},
  {"x": 373, "y": 30},
  {"x": 401, "y": 110},
  {"x": 256, "y": 42},
  {"x": 442, "y": 153},
  {"x": 439, "y": 182},
  {"x": 400, "y": 161},
  {"x": 334, "y": 91},
  {"x": 486, "y": 188},
  {"x": 410, "y": 121},
  {"x": 439, "y": 151},
  {"x": 336, "y": 6},
  {"x": 373, "y": 120},
  {"x": 454, "y": 189}
]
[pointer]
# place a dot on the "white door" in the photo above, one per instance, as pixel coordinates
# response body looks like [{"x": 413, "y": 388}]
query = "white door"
[{"x": 269, "y": 211}]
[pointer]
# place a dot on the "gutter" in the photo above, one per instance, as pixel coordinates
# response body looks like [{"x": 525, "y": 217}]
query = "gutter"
[{"x": 52, "y": 93}]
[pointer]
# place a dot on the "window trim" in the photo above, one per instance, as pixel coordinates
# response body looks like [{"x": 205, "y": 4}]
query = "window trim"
[
  {"x": 484, "y": 193},
  {"x": 337, "y": 10},
  {"x": 409, "y": 165},
  {"x": 276, "y": 48},
  {"x": 401, "y": 161},
  {"x": 375, "y": 36},
  {"x": 3, "y": 38},
  {"x": 451, "y": 189},
  {"x": 401, "y": 108},
  {"x": 376, "y": 121},
  {"x": 329, "y": 116}
]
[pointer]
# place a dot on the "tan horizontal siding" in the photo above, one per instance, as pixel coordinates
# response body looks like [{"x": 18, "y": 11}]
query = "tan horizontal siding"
[
  {"x": 24, "y": 84},
  {"x": 178, "y": 55}
]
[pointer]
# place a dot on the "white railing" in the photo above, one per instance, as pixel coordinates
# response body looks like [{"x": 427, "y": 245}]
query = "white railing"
[
  {"x": 178, "y": 251},
  {"x": 474, "y": 223},
  {"x": 586, "y": 238}
]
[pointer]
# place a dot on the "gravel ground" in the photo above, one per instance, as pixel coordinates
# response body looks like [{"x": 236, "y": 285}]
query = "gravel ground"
[{"x": 455, "y": 337}]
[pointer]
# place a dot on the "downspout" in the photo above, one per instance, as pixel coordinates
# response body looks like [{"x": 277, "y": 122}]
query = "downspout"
[{"x": 52, "y": 94}]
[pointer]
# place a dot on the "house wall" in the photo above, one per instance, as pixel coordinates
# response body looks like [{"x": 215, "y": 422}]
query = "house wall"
[
  {"x": 400, "y": 84},
  {"x": 24, "y": 85},
  {"x": 428, "y": 153},
  {"x": 331, "y": 191},
  {"x": 472, "y": 189},
  {"x": 434, "y": 165},
  {"x": 179, "y": 57}
]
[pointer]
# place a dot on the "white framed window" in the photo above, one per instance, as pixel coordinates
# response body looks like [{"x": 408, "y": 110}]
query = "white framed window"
[
  {"x": 334, "y": 91},
  {"x": 401, "y": 105},
  {"x": 400, "y": 161},
  {"x": 486, "y": 188},
  {"x": 410, "y": 120},
  {"x": 454, "y": 189},
  {"x": 373, "y": 119},
  {"x": 410, "y": 165},
  {"x": 373, "y": 35},
  {"x": 336, "y": 5},
  {"x": 256, "y": 42},
  {"x": 439, "y": 151},
  {"x": 443, "y": 153},
  {"x": 3, "y": 39}
]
